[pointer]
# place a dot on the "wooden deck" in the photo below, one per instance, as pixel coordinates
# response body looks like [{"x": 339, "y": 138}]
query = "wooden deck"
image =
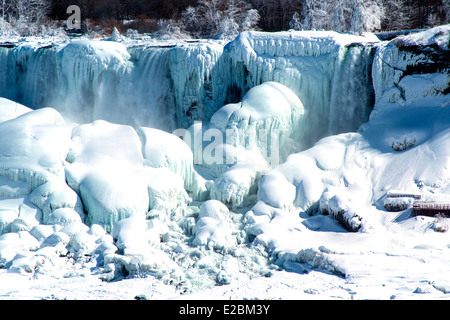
[
  {"x": 431, "y": 209},
  {"x": 404, "y": 195}
]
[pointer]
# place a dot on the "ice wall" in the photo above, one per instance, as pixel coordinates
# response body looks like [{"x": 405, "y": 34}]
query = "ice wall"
[
  {"x": 160, "y": 85},
  {"x": 329, "y": 72},
  {"x": 169, "y": 85}
]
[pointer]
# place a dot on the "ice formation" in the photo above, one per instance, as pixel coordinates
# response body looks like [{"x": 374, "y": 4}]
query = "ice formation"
[
  {"x": 232, "y": 201},
  {"x": 149, "y": 84},
  {"x": 169, "y": 85},
  {"x": 249, "y": 137},
  {"x": 318, "y": 67},
  {"x": 346, "y": 175}
]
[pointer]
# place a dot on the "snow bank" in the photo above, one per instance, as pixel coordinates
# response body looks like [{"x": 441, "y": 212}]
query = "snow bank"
[{"x": 11, "y": 109}]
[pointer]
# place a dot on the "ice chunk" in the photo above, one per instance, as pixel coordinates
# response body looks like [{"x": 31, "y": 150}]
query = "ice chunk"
[
  {"x": 213, "y": 209},
  {"x": 12, "y": 244},
  {"x": 41, "y": 232},
  {"x": 6, "y": 218},
  {"x": 83, "y": 243},
  {"x": 105, "y": 168},
  {"x": 165, "y": 150},
  {"x": 267, "y": 113},
  {"x": 212, "y": 228},
  {"x": 130, "y": 234},
  {"x": 276, "y": 191},
  {"x": 57, "y": 238},
  {"x": 18, "y": 214},
  {"x": 63, "y": 217},
  {"x": 108, "y": 199},
  {"x": 249, "y": 137},
  {"x": 166, "y": 191}
]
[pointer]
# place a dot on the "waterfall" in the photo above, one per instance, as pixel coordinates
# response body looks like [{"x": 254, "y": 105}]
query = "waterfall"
[{"x": 169, "y": 85}]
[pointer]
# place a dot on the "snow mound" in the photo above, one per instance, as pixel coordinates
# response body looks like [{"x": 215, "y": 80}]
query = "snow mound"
[
  {"x": 106, "y": 168},
  {"x": 213, "y": 227},
  {"x": 32, "y": 151},
  {"x": 11, "y": 109},
  {"x": 164, "y": 150},
  {"x": 246, "y": 139}
]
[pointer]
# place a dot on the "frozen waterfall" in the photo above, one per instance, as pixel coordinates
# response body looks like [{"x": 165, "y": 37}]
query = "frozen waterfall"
[{"x": 168, "y": 85}]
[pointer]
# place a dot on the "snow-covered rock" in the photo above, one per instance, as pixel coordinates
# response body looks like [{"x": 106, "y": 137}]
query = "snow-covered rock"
[{"x": 213, "y": 227}]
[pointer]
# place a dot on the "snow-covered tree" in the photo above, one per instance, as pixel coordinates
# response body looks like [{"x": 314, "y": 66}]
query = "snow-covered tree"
[
  {"x": 33, "y": 11},
  {"x": 315, "y": 15},
  {"x": 250, "y": 21},
  {"x": 6, "y": 8},
  {"x": 397, "y": 15},
  {"x": 228, "y": 30},
  {"x": 222, "y": 19},
  {"x": 339, "y": 21},
  {"x": 342, "y": 15},
  {"x": 367, "y": 16},
  {"x": 25, "y": 16},
  {"x": 295, "y": 22},
  {"x": 445, "y": 8}
]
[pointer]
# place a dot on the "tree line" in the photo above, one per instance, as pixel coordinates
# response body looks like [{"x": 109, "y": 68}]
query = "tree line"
[{"x": 215, "y": 18}]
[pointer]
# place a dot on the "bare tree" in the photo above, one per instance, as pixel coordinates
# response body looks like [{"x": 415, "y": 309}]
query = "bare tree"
[
  {"x": 6, "y": 8},
  {"x": 25, "y": 16},
  {"x": 219, "y": 18},
  {"x": 342, "y": 15}
]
